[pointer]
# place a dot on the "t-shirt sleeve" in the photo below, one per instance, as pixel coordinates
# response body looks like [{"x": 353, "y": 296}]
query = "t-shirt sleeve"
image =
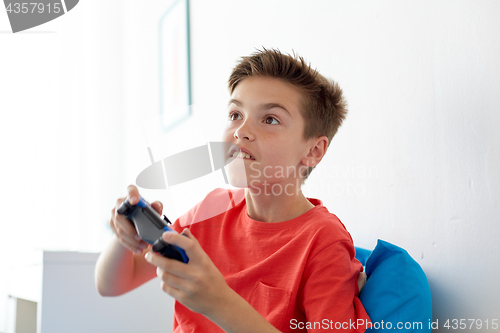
[{"x": 330, "y": 291}]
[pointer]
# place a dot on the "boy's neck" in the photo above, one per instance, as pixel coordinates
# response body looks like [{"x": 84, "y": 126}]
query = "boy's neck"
[{"x": 275, "y": 208}]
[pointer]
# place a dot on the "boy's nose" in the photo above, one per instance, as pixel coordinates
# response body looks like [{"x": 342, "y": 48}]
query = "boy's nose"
[{"x": 243, "y": 132}]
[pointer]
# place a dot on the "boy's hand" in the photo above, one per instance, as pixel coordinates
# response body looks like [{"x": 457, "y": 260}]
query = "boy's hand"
[
  {"x": 123, "y": 228},
  {"x": 198, "y": 285},
  {"x": 361, "y": 281}
]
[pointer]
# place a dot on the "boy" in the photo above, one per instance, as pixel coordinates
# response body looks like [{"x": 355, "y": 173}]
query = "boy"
[{"x": 274, "y": 261}]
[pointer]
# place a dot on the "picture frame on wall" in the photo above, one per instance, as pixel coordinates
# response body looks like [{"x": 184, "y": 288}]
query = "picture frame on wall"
[{"x": 175, "y": 65}]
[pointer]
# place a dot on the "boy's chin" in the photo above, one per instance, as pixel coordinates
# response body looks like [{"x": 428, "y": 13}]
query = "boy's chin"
[
  {"x": 237, "y": 173},
  {"x": 238, "y": 180},
  {"x": 238, "y": 184}
]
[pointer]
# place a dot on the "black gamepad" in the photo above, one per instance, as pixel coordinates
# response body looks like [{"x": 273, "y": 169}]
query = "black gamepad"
[{"x": 150, "y": 227}]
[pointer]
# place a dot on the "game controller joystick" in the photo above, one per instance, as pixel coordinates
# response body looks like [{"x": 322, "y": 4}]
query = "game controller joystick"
[{"x": 150, "y": 227}]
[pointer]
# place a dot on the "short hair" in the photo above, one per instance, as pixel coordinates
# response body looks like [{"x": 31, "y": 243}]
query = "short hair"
[{"x": 323, "y": 105}]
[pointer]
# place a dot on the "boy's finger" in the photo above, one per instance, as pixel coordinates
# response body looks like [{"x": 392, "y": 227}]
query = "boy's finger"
[
  {"x": 158, "y": 206},
  {"x": 172, "y": 280},
  {"x": 133, "y": 194},
  {"x": 130, "y": 245},
  {"x": 119, "y": 202},
  {"x": 361, "y": 281},
  {"x": 125, "y": 224},
  {"x": 131, "y": 240},
  {"x": 188, "y": 233},
  {"x": 188, "y": 243},
  {"x": 168, "y": 265}
]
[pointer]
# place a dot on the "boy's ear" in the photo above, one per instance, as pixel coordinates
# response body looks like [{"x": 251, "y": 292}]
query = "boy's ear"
[{"x": 316, "y": 151}]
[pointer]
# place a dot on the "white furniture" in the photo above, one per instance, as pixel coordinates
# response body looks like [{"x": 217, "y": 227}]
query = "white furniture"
[{"x": 62, "y": 285}]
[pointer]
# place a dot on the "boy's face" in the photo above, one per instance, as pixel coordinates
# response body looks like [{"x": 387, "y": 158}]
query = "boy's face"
[{"x": 264, "y": 118}]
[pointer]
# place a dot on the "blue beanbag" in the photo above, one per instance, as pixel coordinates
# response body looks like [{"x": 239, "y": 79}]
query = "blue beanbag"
[
  {"x": 362, "y": 255},
  {"x": 396, "y": 296}
]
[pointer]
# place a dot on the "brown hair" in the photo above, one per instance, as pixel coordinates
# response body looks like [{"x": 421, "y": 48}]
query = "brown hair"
[{"x": 323, "y": 105}]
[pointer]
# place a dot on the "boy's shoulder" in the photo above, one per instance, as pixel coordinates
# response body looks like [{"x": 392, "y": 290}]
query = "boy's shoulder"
[{"x": 325, "y": 224}]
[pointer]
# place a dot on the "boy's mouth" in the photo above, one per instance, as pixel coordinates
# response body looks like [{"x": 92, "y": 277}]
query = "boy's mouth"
[
  {"x": 238, "y": 152},
  {"x": 243, "y": 155}
]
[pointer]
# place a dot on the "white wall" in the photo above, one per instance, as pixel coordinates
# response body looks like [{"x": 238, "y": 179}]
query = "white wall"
[
  {"x": 416, "y": 162},
  {"x": 60, "y": 132}
]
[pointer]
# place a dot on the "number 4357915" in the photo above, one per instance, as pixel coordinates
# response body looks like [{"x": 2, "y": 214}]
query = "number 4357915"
[
  {"x": 463, "y": 324},
  {"x": 33, "y": 7}
]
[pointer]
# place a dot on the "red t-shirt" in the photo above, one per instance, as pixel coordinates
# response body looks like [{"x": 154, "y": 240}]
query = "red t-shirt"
[{"x": 300, "y": 274}]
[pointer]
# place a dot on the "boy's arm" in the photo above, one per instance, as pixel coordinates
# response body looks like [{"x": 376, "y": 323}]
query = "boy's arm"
[
  {"x": 119, "y": 270},
  {"x": 201, "y": 287},
  {"x": 338, "y": 305},
  {"x": 121, "y": 267}
]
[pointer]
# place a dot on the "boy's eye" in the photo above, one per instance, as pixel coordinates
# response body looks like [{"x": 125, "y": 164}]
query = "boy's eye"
[
  {"x": 231, "y": 115},
  {"x": 271, "y": 123},
  {"x": 274, "y": 121}
]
